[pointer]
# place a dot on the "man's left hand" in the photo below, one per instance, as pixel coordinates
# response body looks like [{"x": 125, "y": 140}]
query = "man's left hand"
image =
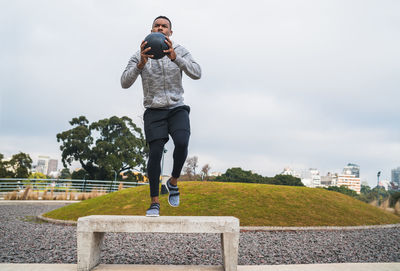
[{"x": 170, "y": 52}]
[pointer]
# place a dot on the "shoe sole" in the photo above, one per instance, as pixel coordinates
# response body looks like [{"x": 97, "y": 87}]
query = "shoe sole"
[
  {"x": 152, "y": 215},
  {"x": 166, "y": 185}
]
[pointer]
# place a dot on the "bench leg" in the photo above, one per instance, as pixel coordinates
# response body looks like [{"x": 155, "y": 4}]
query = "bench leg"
[
  {"x": 89, "y": 247},
  {"x": 230, "y": 249}
]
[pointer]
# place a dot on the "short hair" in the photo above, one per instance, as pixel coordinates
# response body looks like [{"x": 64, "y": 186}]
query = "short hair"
[{"x": 164, "y": 17}]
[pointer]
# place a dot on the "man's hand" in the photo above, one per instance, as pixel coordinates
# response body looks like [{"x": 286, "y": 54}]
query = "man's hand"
[
  {"x": 170, "y": 52},
  {"x": 144, "y": 57}
]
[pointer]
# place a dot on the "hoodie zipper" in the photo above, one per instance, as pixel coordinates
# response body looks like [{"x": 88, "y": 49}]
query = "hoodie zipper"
[{"x": 165, "y": 93}]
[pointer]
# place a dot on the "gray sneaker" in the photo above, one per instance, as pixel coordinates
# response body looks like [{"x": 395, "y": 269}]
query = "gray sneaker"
[
  {"x": 173, "y": 197},
  {"x": 154, "y": 210}
]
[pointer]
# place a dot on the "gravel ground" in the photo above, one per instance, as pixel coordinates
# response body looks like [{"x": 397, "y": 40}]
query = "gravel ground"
[{"x": 25, "y": 240}]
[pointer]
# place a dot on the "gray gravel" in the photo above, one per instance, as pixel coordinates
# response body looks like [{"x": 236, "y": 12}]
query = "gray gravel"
[{"x": 25, "y": 240}]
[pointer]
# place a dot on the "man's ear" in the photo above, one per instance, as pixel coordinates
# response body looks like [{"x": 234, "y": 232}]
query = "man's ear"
[{"x": 170, "y": 33}]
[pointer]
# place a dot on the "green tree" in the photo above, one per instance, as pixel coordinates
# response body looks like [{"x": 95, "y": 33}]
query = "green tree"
[
  {"x": 246, "y": 176},
  {"x": 4, "y": 173},
  {"x": 286, "y": 180},
  {"x": 344, "y": 190},
  {"x": 365, "y": 189},
  {"x": 237, "y": 174},
  {"x": 65, "y": 173},
  {"x": 34, "y": 180},
  {"x": 20, "y": 163},
  {"x": 37, "y": 175},
  {"x": 78, "y": 174},
  {"x": 379, "y": 193},
  {"x": 394, "y": 197},
  {"x": 133, "y": 176},
  {"x": 118, "y": 145},
  {"x": 77, "y": 145}
]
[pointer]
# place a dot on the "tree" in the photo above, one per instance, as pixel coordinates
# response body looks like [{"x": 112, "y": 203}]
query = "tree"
[
  {"x": 246, "y": 176},
  {"x": 365, "y": 189},
  {"x": 76, "y": 145},
  {"x": 237, "y": 174},
  {"x": 188, "y": 172},
  {"x": 37, "y": 175},
  {"x": 344, "y": 190},
  {"x": 132, "y": 176},
  {"x": 286, "y": 180},
  {"x": 4, "y": 173},
  {"x": 394, "y": 197},
  {"x": 379, "y": 193},
  {"x": 119, "y": 145},
  {"x": 192, "y": 163},
  {"x": 204, "y": 171},
  {"x": 65, "y": 173},
  {"x": 78, "y": 174},
  {"x": 20, "y": 163}
]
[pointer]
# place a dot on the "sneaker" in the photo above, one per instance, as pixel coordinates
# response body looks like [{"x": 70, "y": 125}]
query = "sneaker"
[
  {"x": 173, "y": 197},
  {"x": 154, "y": 210}
]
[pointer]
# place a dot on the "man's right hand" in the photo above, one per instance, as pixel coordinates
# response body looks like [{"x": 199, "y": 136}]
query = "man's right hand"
[{"x": 144, "y": 57}]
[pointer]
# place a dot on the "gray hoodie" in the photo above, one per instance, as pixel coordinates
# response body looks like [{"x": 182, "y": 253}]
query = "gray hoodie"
[{"x": 162, "y": 78}]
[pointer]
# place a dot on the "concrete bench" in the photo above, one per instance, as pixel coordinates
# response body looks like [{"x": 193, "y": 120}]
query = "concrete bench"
[{"x": 91, "y": 229}]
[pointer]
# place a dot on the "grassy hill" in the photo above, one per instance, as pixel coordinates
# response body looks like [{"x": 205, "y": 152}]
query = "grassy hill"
[{"x": 253, "y": 204}]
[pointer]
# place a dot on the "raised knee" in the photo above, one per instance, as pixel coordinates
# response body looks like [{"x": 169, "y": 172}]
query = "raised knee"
[{"x": 181, "y": 139}]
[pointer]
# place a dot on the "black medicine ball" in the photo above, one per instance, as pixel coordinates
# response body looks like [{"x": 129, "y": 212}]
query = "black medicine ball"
[{"x": 157, "y": 43}]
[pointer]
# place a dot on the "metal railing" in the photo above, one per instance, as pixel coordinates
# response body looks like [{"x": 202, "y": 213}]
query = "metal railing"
[{"x": 62, "y": 185}]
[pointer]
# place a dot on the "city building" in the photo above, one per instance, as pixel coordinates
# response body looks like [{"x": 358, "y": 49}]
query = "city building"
[
  {"x": 352, "y": 169},
  {"x": 396, "y": 176},
  {"x": 52, "y": 167},
  {"x": 311, "y": 178},
  {"x": 350, "y": 181},
  {"x": 46, "y": 165},
  {"x": 329, "y": 180},
  {"x": 42, "y": 164},
  {"x": 350, "y": 177}
]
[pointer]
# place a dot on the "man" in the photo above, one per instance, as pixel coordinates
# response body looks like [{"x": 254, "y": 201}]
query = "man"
[{"x": 165, "y": 114}]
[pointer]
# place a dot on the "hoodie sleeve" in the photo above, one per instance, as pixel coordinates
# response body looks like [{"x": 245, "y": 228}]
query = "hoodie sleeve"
[
  {"x": 185, "y": 62},
  {"x": 131, "y": 72}
]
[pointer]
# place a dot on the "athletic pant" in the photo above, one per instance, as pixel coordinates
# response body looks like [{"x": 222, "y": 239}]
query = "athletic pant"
[{"x": 181, "y": 142}]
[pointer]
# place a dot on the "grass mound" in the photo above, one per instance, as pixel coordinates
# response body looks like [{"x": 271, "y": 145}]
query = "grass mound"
[{"x": 253, "y": 204}]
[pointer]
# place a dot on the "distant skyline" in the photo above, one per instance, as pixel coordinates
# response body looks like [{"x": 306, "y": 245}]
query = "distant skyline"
[
  {"x": 299, "y": 170},
  {"x": 304, "y": 84}
]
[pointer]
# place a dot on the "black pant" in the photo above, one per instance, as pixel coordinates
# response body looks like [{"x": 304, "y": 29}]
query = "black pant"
[
  {"x": 159, "y": 124},
  {"x": 181, "y": 142}
]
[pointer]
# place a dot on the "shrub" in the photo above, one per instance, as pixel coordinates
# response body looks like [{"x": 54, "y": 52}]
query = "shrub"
[
  {"x": 344, "y": 190},
  {"x": 26, "y": 192},
  {"x": 11, "y": 195},
  {"x": 397, "y": 208}
]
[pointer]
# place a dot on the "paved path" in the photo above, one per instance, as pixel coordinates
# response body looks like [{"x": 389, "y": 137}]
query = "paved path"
[
  {"x": 123, "y": 267},
  {"x": 274, "y": 243}
]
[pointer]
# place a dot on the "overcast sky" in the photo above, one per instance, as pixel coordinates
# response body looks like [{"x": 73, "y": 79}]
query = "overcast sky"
[{"x": 285, "y": 83}]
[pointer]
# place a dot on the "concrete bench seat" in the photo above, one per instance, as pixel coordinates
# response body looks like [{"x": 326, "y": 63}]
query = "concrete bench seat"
[{"x": 91, "y": 229}]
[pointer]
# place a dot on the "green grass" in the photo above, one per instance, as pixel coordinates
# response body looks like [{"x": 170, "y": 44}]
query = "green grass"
[{"x": 253, "y": 204}]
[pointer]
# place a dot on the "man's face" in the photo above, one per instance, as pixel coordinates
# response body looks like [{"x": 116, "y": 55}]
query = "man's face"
[{"x": 162, "y": 26}]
